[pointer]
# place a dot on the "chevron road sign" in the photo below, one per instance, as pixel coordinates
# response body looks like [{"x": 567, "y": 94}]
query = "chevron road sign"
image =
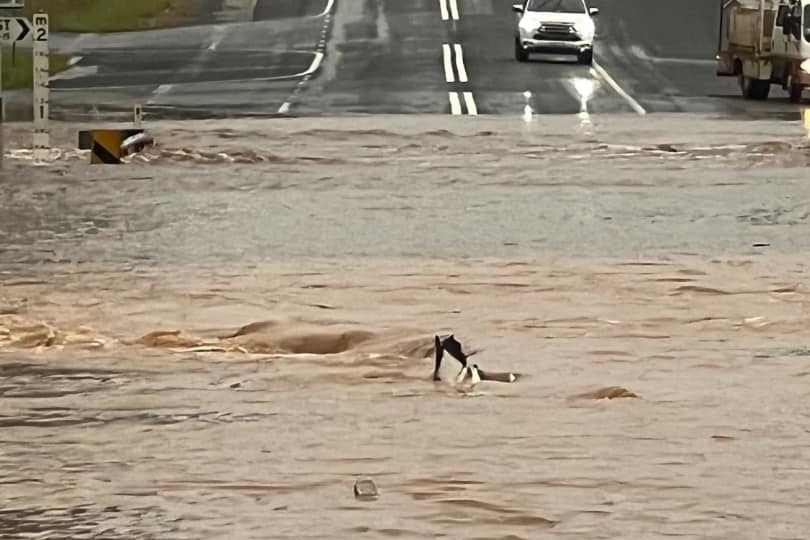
[{"x": 14, "y": 30}]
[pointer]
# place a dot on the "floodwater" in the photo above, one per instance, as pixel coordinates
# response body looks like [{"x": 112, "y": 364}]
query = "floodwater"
[{"x": 217, "y": 339}]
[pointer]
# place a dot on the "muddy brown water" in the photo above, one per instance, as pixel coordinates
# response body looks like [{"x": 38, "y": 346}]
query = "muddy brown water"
[{"x": 219, "y": 338}]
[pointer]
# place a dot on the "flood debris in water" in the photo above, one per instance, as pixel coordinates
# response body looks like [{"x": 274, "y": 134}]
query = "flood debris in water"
[
  {"x": 19, "y": 332},
  {"x": 609, "y": 392},
  {"x": 365, "y": 489}
]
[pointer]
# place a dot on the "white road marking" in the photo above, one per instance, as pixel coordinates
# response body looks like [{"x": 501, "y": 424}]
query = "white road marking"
[
  {"x": 462, "y": 72},
  {"x": 455, "y": 103},
  {"x": 454, "y": 9},
  {"x": 313, "y": 67},
  {"x": 448, "y": 63},
  {"x": 316, "y": 61},
  {"x": 471, "y": 107},
  {"x": 75, "y": 72},
  {"x": 159, "y": 91},
  {"x": 163, "y": 88},
  {"x": 443, "y": 8},
  {"x": 456, "y": 106},
  {"x": 216, "y": 39},
  {"x": 449, "y": 9},
  {"x": 599, "y": 71},
  {"x": 217, "y": 35},
  {"x": 450, "y": 76},
  {"x": 327, "y": 9},
  {"x": 203, "y": 82}
]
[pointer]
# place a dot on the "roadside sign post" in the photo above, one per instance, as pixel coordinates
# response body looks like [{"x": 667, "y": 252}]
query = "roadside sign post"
[
  {"x": 15, "y": 30},
  {"x": 41, "y": 86},
  {"x": 12, "y": 31}
]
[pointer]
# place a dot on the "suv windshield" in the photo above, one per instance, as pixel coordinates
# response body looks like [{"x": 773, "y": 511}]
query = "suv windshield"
[{"x": 559, "y": 6}]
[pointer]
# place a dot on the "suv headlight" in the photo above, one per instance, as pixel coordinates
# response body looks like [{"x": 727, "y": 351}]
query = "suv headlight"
[
  {"x": 805, "y": 66},
  {"x": 586, "y": 30},
  {"x": 528, "y": 26}
]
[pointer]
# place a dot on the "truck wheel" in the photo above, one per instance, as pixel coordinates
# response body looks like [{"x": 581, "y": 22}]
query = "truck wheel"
[
  {"x": 520, "y": 53},
  {"x": 754, "y": 88},
  {"x": 795, "y": 93},
  {"x": 586, "y": 57}
]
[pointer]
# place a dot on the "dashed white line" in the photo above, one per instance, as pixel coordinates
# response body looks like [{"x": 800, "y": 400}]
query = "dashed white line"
[
  {"x": 454, "y": 9},
  {"x": 447, "y": 57},
  {"x": 599, "y": 71},
  {"x": 448, "y": 63},
  {"x": 455, "y": 103},
  {"x": 449, "y": 9},
  {"x": 443, "y": 8},
  {"x": 471, "y": 107},
  {"x": 462, "y": 72}
]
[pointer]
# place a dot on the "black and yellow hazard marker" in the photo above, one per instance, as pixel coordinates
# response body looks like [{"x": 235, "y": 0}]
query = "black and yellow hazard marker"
[
  {"x": 105, "y": 144},
  {"x": 86, "y": 137},
  {"x": 106, "y": 147}
]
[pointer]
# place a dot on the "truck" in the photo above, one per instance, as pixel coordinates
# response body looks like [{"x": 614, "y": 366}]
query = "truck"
[{"x": 763, "y": 43}]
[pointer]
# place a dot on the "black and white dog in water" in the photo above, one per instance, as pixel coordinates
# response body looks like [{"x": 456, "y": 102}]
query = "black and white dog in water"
[{"x": 454, "y": 369}]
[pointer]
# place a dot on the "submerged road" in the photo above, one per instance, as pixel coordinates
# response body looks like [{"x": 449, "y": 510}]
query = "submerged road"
[{"x": 333, "y": 57}]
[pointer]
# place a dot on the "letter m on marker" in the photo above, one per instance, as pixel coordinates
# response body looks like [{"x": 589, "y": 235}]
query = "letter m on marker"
[{"x": 39, "y": 19}]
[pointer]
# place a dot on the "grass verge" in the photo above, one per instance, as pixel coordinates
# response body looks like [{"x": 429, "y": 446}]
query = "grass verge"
[
  {"x": 97, "y": 16},
  {"x": 19, "y": 71},
  {"x": 111, "y": 15}
]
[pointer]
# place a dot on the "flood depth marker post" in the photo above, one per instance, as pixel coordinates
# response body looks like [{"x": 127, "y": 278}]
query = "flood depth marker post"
[
  {"x": 2, "y": 104},
  {"x": 41, "y": 142}
]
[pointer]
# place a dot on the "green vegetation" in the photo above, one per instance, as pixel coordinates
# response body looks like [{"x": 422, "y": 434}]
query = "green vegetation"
[
  {"x": 19, "y": 71},
  {"x": 110, "y": 15},
  {"x": 95, "y": 16}
]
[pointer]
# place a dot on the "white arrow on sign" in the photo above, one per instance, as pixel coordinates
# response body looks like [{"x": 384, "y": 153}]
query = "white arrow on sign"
[{"x": 14, "y": 29}]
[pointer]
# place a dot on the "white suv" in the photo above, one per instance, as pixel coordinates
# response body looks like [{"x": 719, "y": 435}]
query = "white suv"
[{"x": 555, "y": 26}]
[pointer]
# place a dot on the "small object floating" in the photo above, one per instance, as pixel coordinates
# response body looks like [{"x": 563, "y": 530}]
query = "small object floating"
[
  {"x": 365, "y": 489},
  {"x": 609, "y": 392}
]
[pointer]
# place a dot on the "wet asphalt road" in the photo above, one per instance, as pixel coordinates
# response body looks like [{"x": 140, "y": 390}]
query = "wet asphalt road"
[{"x": 333, "y": 57}]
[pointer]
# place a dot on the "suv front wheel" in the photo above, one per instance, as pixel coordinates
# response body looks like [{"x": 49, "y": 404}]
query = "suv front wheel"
[
  {"x": 520, "y": 53},
  {"x": 586, "y": 57}
]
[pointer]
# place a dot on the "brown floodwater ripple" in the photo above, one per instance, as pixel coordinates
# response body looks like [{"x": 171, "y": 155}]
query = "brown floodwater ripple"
[
  {"x": 656, "y": 399},
  {"x": 219, "y": 338}
]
